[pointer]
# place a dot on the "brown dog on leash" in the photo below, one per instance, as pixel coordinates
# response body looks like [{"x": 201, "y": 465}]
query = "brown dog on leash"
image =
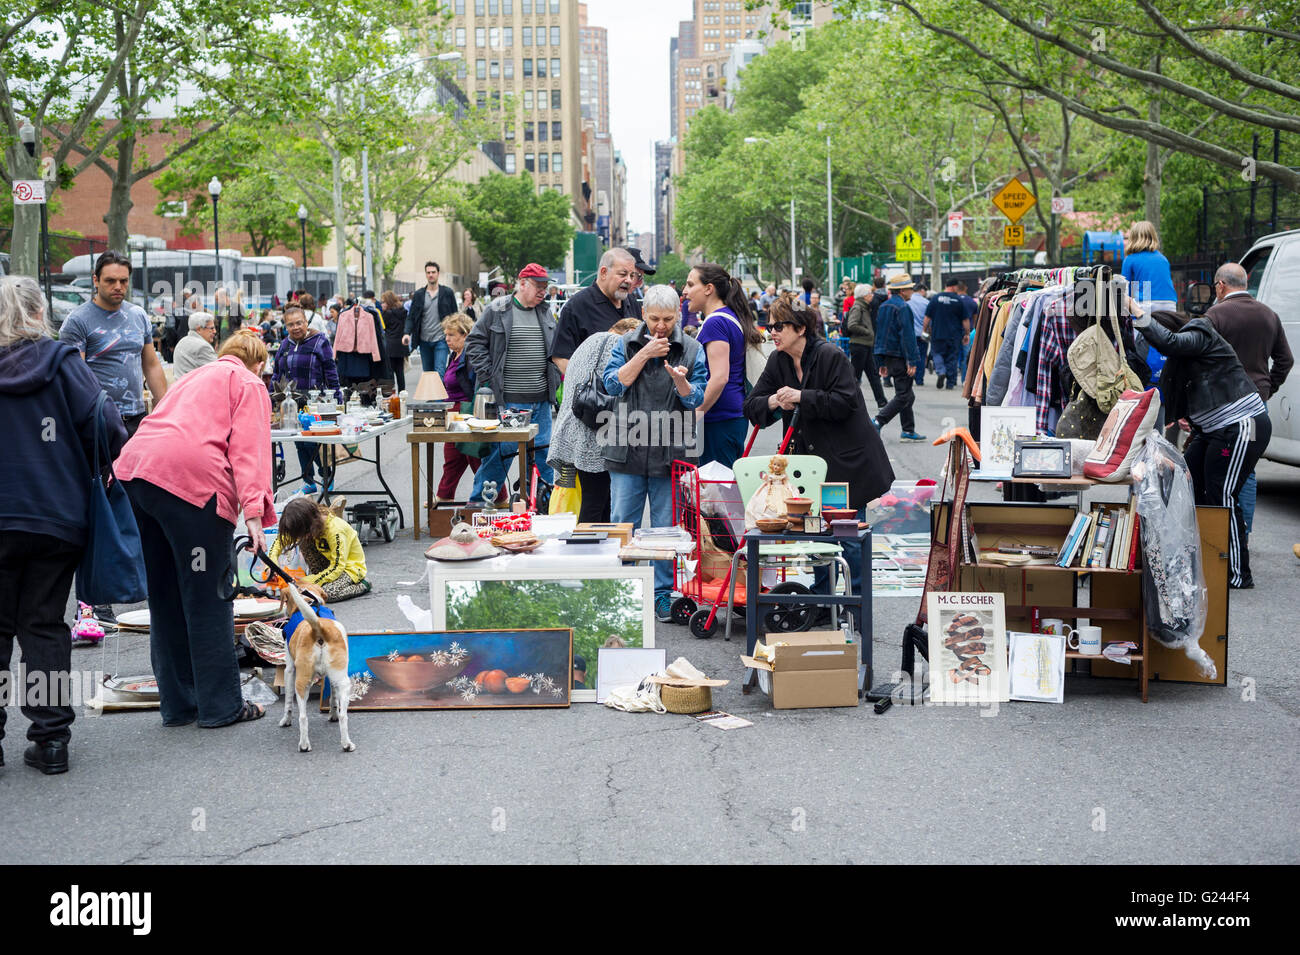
[{"x": 317, "y": 647}]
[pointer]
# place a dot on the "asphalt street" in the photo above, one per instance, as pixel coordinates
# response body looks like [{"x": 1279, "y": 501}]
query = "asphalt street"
[{"x": 1200, "y": 774}]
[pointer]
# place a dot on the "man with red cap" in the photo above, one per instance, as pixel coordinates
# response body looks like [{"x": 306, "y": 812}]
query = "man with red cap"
[{"x": 510, "y": 350}]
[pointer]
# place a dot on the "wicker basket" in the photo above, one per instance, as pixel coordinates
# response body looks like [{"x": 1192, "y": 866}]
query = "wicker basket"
[{"x": 686, "y": 699}]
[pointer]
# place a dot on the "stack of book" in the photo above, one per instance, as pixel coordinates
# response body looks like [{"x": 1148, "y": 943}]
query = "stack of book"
[{"x": 1104, "y": 538}]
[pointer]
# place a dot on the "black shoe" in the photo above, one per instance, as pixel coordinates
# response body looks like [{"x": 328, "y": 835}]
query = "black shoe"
[
  {"x": 938, "y": 383},
  {"x": 105, "y": 616},
  {"x": 1247, "y": 584},
  {"x": 49, "y": 758}
]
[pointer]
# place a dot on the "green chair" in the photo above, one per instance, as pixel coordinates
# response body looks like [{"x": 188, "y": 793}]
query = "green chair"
[{"x": 805, "y": 472}]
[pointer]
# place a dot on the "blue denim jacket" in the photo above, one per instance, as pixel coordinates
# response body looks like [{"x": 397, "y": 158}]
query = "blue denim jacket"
[{"x": 894, "y": 332}]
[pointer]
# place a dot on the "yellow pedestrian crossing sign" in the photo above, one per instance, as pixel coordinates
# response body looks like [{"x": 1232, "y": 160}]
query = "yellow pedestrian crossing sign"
[
  {"x": 907, "y": 247},
  {"x": 1014, "y": 200}
]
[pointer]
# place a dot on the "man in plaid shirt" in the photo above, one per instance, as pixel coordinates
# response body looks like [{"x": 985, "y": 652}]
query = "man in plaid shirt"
[{"x": 307, "y": 358}]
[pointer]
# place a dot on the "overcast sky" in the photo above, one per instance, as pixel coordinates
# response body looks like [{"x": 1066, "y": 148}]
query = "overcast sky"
[{"x": 638, "y": 85}]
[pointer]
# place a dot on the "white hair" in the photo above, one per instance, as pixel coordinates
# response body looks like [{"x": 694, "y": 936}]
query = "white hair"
[
  {"x": 199, "y": 319},
  {"x": 861, "y": 290},
  {"x": 22, "y": 311},
  {"x": 612, "y": 255},
  {"x": 660, "y": 298}
]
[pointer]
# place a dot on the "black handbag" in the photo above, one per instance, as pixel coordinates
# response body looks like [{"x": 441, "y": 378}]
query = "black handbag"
[
  {"x": 112, "y": 566},
  {"x": 1082, "y": 418},
  {"x": 590, "y": 400}
]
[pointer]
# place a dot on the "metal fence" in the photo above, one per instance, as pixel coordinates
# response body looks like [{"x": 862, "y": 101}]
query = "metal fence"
[
  {"x": 1232, "y": 219},
  {"x": 63, "y": 246}
]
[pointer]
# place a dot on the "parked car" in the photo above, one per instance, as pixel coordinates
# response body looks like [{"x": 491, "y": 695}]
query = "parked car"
[{"x": 66, "y": 298}]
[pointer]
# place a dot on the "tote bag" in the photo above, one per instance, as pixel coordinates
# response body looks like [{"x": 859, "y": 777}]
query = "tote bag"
[
  {"x": 1101, "y": 371},
  {"x": 112, "y": 567}
]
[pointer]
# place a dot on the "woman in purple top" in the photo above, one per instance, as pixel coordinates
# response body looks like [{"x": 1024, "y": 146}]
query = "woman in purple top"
[
  {"x": 728, "y": 329},
  {"x": 459, "y": 380}
]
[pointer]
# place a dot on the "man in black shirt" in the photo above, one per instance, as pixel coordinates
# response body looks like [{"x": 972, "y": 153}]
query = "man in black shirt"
[
  {"x": 948, "y": 325},
  {"x": 597, "y": 307}
]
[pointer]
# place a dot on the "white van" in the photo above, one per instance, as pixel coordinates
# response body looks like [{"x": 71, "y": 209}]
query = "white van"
[{"x": 1273, "y": 276}]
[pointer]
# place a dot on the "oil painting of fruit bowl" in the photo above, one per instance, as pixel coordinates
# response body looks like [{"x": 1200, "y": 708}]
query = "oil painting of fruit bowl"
[{"x": 461, "y": 669}]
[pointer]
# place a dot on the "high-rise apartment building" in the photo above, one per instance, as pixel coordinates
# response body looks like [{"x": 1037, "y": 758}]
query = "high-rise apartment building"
[
  {"x": 663, "y": 201},
  {"x": 593, "y": 72},
  {"x": 522, "y": 57}
]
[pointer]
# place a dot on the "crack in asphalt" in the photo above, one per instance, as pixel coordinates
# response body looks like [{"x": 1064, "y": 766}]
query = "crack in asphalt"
[{"x": 289, "y": 836}]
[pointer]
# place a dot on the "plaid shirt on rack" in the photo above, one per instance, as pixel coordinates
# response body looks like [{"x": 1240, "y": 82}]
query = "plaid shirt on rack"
[{"x": 1056, "y": 336}]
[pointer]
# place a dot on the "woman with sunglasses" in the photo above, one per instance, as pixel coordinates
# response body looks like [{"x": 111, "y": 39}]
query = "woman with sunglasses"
[{"x": 808, "y": 373}]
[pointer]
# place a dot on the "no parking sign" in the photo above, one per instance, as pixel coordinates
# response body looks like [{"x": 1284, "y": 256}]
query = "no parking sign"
[{"x": 29, "y": 192}]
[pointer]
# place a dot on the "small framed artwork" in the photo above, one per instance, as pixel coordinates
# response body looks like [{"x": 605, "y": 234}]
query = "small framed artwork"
[
  {"x": 1045, "y": 457},
  {"x": 968, "y": 647},
  {"x": 1036, "y": 672},
  {"x": 999, "y": 429},
  {"x": 834, "y": 494},
  {"x": 626, "y": 666}
]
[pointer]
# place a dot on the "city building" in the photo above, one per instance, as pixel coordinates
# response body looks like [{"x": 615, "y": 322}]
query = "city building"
[
  {"x": 593, "y": 72},
  {"x": 663, "y": 201},
  {"x": 522, "y": 57}
]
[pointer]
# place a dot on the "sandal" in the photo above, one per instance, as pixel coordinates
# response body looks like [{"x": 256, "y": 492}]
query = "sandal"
[{"x": 248, "y": 712}]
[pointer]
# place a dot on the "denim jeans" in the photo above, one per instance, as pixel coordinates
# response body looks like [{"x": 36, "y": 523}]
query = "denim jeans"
[
  {"x": 1246, "y": 501},
  {"x": 945, "y": 351},
  {"x": 433, "y": 356},
  {"x": 627, "y": 497},
  {"x": 923, "y": 351},
  {"x": 724, "y": 441},
  {"x": 495, "y": 466}
]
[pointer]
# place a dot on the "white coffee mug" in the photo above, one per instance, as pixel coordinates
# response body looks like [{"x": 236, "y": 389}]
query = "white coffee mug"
[
  {"x": 1086, "y": 640},
  {"x": 1053, "y": 625}
]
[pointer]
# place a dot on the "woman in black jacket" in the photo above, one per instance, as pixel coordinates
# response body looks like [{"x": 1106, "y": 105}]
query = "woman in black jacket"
[
  {"x": 1205, "y": 385},
  {"x": 809, "y": 373},
  {"x": 47, "y": 401},
  {"x": 394, "y": 326}
]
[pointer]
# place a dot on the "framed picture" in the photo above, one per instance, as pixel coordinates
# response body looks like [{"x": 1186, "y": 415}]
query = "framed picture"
[
  {"x": 1036, "y": 670},
  {"x": 626, "y": 666},
  {"x": 968, "y": 647},
  {"x": 999, "y": 428},
  {"x": 610, "y": 607},
  {"x": 467, "y": 669},
  {"x": 1041, "y": 457},
  {"x": 834, "y": 494}
]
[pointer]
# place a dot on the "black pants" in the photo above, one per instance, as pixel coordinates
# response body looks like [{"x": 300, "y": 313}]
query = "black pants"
[
  {"x": 398, "y": 367},
  {"x": 863, "y": 360},
  {"x": 595, "y": 497},
  {"x": 191, "y": 629},
  {"x": 904, "y": 396},
  {"x": 1220, "y": 462},
  {"x": 36, "y": 573}
]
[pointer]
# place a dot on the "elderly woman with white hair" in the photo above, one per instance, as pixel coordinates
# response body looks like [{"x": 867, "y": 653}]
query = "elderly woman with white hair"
[
  {"x": 861, "y": 329},
  {"x": 196, "y": 349},
  {"x": 660, "y": 375},
  {"x": 48, "y": 397}
]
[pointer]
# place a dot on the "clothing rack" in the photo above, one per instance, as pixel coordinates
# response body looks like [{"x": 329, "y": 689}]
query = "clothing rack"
[{"x": 1056, "y": 276}]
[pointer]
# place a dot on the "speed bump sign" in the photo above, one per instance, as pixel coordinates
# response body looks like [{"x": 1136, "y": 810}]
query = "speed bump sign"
[{"x": 1014, "y": 200}]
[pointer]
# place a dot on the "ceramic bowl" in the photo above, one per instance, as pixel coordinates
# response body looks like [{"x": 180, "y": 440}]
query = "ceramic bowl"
[
  {"x": 414, "y": 675},
  {"x": 838, "y": 513},
  {"x": 798, "y": 505},
  {"x": 772, "y": 526}
]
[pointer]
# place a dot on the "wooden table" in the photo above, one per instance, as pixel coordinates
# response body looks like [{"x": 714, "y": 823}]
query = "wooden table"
[
  {"x": 520, "y": 436},
  {"x": 329, "y": 461}
]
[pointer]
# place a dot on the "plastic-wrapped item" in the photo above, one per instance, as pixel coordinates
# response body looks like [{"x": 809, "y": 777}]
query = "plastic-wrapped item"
[{"x": 1174, "y": 594}]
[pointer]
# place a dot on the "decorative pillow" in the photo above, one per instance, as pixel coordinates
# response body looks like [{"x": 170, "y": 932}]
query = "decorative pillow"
[{"x": 1122, "y": 436}]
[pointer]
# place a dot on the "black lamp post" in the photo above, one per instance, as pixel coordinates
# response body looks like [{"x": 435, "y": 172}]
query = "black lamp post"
[
  {"x": 27, "y": 133},
  {"x": 302, "y": 221},
  {"x": 214, "y": 190}
]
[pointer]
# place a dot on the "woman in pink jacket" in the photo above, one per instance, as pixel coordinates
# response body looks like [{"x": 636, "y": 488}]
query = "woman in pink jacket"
[{"x": 201, "y": 458}]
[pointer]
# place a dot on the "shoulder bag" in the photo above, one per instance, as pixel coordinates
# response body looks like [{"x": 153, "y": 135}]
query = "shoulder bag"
[
  {"x": 590, "y": 399},
  {"x": 112, "y": 567},
  {"x": 1101, "y": 370}
]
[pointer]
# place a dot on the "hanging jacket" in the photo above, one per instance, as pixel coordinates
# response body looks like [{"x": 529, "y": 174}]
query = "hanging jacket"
[{"x": 356, "y": 333}]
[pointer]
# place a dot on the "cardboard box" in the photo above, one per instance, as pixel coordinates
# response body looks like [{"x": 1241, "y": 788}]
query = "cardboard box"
[
  {"x": 440, "y": 518},
  {"x": 620, "y": 532},
  {"x": 815, "y": 669}
]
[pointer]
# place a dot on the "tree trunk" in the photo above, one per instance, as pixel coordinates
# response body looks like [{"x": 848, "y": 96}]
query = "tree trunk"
[
  {"x": 25, "y": 248},
  {"x": 340, "y": 251},
  {"x": 119, "y": 197},
  {"x": 1151, "y": 175},
  {"x": 936, "y": 250}
]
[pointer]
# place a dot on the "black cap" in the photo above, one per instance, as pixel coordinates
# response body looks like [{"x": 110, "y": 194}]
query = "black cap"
[
  {"x": 579, "y": 663},
  {"x": 640, "y": 262}
]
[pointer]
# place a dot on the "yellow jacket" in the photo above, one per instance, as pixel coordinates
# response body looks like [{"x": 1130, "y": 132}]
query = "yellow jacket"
[{"x": 341, "y": 547}]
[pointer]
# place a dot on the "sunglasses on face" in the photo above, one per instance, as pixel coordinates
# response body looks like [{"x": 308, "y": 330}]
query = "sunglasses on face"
[{"x": 781, "y": 326}]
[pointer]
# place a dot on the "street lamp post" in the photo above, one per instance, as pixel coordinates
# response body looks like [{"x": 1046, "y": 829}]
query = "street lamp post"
[
  {"x": 27, "y": 133},
  {"x": 214, "y": 190},
  {"x": 368, "y": 265},
  {"x": 302, "y": 222},
  {"x": 830, "y": 228}
]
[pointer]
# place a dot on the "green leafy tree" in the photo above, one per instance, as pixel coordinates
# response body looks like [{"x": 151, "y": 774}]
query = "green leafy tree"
[
  {"x": 671, "y": 268},
  {"x": 512, "y": 224}
]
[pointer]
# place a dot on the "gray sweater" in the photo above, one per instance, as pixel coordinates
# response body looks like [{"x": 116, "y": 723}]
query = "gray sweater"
[{"x": 191, "y": 352}]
